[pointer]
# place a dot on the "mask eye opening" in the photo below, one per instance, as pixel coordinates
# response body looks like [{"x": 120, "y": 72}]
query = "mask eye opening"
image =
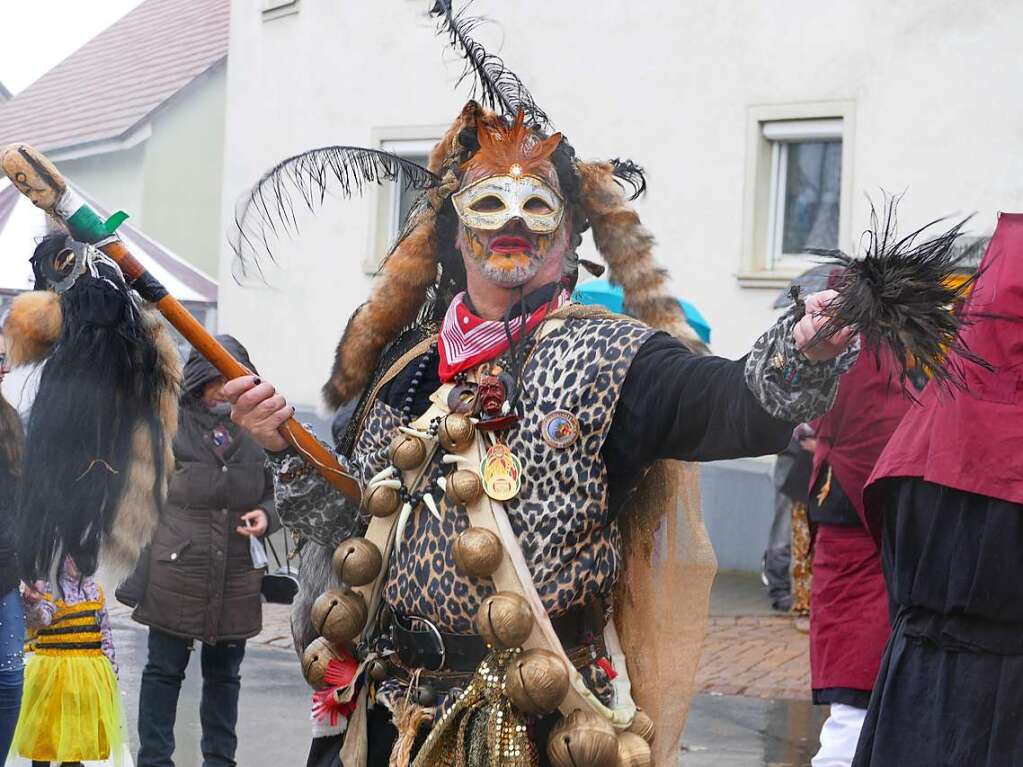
[
  {"x": 538, "y": 206},
  {"x": 487, "y": 204}
]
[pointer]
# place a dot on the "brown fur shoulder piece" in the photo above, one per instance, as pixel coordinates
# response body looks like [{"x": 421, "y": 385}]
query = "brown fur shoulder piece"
[
  {"x": 447, "y": 153},
  {"x": 138, "y": 514},
  {"x": 627, "y": 247},
  {"x": 32, "y": 326}
]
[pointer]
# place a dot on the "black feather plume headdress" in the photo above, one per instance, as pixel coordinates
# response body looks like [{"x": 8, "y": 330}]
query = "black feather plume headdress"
[
  {"x": 270, "y": 208},
  {"x": 494, "y": 85},
  {"x": 905, "y": 293}
]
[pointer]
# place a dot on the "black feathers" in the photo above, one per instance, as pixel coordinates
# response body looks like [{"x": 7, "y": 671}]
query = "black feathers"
[
  {"x": 494, "y": 85},
  {"x": 311, "y": 176},
  {"x": 905, "y": 294},
  {"x": 631, "y": 175},
  {"x": 99, "y": 387}
]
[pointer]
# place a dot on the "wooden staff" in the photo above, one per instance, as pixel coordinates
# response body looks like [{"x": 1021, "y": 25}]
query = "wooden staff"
[{"x": 39, "y": 180}]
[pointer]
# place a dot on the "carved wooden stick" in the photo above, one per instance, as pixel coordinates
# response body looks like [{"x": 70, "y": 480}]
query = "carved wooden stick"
[{"x": 39, "y": 180}]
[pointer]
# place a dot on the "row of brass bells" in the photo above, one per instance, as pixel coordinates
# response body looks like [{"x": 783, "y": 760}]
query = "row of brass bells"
[
  {"x": 586, "y": 738},
  {"x": 339, "y": 616},
  {"x": 583, "y": 739},
  {"x": 315, "y": 659},
  {"x": 456, "y": 433},
  {"x": 408, "y": 452},
  {"x": 504, "y": 620},
  {"x": 477, "y": 551},
  {"x": 536, "y": 681},
  {"x": 633, "y": 751},
  {"x": 643, "y": 726},
  {"x": 464, "y": 487},
  {"x": 357, "y": 561},
  {"x": 381, "y": 501}
]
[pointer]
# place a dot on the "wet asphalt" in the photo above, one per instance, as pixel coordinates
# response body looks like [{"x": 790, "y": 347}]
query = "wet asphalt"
[{"x": 273, "y": 727}]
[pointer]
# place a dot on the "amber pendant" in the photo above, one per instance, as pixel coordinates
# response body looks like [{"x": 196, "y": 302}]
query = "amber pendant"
[{"x": 501, "y": 472}]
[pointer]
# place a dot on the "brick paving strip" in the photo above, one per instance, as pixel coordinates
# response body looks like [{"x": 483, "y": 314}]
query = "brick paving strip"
[{"x": 755, "y": 656}]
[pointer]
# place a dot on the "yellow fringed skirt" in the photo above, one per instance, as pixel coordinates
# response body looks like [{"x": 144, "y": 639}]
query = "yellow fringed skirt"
[{"x": 70, "y": 710}]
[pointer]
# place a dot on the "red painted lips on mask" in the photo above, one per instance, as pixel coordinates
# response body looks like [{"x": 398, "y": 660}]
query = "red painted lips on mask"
[{"x": 510, "y": 244}]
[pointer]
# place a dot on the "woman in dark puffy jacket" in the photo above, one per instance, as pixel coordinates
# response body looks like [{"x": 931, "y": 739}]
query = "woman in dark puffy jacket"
[
  {"x": 12, "y": 619},
  {"x": 201, "y": 583}
]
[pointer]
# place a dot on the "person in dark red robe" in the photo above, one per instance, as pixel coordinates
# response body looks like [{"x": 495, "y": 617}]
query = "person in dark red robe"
[
  {"x": 849, "y": 605},
  {"x": 946, "y": 502}
]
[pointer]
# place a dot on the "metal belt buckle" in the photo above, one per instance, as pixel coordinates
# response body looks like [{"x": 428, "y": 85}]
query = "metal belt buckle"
[{"x": 411, "y": 623}]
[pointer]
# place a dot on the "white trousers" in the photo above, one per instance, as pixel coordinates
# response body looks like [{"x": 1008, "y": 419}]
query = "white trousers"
[{"x": 839, "y": 736}]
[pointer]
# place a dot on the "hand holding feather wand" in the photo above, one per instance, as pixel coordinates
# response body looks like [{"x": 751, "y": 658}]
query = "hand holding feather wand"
[{"x": 39, "y": 180}]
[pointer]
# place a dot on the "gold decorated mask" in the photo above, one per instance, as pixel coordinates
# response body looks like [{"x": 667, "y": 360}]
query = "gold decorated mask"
[{"x": 492, "y": 202}]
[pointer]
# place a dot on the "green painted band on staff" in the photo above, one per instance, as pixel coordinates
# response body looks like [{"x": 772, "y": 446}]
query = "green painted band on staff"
[{"x": 87, "y": 226}]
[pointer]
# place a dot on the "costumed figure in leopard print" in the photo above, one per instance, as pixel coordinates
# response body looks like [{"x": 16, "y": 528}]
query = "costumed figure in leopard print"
[{"x": 526, "y": 579}]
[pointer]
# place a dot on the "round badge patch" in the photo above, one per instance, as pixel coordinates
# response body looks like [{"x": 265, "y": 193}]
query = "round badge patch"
[
  {"x": 560, "y": 429},
  {"x": 501, "y": 472}
]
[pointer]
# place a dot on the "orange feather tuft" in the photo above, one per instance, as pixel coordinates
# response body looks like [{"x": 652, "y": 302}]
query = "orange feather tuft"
[{"x": 502, "y": 149}]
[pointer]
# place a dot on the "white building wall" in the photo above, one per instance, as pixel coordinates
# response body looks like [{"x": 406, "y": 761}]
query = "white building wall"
[
  {"x": 935, "y": 111},
  {"x": 114, "y": 178},
  {"x": 170, "y": 183},
  {"x": 183, "y": 171}
]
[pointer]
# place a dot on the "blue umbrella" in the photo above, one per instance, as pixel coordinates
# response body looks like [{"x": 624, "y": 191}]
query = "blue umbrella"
[{"x": 603, "y": 293}]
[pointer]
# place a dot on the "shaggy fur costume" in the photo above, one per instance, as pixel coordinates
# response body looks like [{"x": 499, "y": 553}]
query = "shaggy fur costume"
[
  {"x": 33, "y": 326},
  {"x": 138, "y": 513},
  {"x": 98, "y": 447}
]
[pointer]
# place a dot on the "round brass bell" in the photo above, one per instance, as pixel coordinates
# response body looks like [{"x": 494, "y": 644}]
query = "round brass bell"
[
  {"x": 536, "y": 682},
  {"x": 339, "y": 616},
  {"x": 377, "y": 670},
  {"x": 633, "y": 751},
  {"x": 477, "y": 551},
  {"x": 357, "y": 561},
  {"x": 643, "y": 726},
  {"x": 464, "y": 487},
  {"x": 504, "y": 620},
  {"x": 456, "y": 432},
  {"x": 315, "y": 659},
  {"x": 583, "y": 738},
  {"x": 408, "y": 452},
  {"x": 381, "y": 501}
]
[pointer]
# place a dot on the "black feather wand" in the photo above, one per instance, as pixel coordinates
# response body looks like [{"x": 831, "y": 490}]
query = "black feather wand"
[{"x": 905, "y": 294}]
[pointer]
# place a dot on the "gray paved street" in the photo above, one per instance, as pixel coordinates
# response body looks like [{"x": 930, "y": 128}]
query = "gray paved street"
[
  {"x": 724, "y": 731},
  {"x": 732, "y": 731},
  {"x": 273, "y": 721}
]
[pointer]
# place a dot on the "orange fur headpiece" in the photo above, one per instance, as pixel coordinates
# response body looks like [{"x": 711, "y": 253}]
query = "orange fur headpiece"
[{"x": 515, "y": 150}]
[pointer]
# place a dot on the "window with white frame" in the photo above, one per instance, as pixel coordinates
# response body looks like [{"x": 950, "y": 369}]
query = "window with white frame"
[
  {"x": 804, "y": 190},
  {"x": 393, "y": 200},
  {"x": 401, "y": 199}
]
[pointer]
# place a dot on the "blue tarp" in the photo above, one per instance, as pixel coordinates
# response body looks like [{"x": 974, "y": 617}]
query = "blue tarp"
[{"x": 610, "y": 296}]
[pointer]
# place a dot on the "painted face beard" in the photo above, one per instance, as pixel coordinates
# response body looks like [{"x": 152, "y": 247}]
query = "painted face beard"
[{"x": 511, "y": 256}]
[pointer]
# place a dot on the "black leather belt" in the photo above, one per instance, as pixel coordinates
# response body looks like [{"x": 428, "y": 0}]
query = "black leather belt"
[{"x": 420, "y": 645}]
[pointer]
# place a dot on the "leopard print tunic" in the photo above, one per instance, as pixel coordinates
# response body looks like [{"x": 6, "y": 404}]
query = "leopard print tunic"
[{"x": 560, "y": 516}]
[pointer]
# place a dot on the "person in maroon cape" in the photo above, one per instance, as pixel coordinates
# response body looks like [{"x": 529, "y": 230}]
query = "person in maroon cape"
[
  {"x": 849, "y": 605},
  {"x": 946, "y": 502}
]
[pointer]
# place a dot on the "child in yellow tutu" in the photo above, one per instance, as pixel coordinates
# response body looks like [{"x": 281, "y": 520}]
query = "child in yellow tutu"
[{"x": 70, "y": 708}]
